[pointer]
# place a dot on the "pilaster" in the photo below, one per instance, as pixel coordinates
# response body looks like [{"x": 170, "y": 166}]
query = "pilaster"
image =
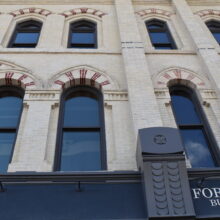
[
  {"x": 144, "y": 109},
  {"x": 5, "y": 20},
  {"x": 34, "y": 132}
]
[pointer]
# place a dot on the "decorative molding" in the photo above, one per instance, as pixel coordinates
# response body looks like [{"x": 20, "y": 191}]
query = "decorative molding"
[
  {"x": 209, "y": 94},
  {"x": 115, "y": 96},
  {"x": 77, "y": 11},
  {"x": 154, "y": 11},
  {"x": 162, "y": 93},
  {"x": 207, "y": 12},
  {"x": 162, "y": 79},
  {"x": 43, "y": 95},
  {"x": 31, "y": 10},
  {"x": 17, "y": 78},
  {"x": 4, "y": 65},
  {"x": 83, "y": 76}
]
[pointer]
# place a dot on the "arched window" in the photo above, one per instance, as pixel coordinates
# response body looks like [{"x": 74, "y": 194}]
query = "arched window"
[
  {"x": 81, "y": 139},
  {"x": 10, "y": 112},
  {"x": 160, "y": 35},
  {"x": 196, "y": 135},
  {"x": 83, "y": 34},
  {"x": 214, "y": 27},
  {"x": 26, "y": 34}
]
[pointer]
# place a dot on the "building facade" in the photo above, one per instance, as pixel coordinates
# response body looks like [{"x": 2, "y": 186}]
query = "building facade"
[{"x": 80, "y": 79}]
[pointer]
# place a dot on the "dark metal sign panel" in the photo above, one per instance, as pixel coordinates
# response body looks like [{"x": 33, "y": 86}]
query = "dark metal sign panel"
[
  {"x": 206, "y": 197},
  {"x": 69, "y": 202}
]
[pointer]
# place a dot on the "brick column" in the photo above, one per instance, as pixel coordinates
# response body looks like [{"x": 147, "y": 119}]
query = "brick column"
[
  {"x": 34, "y": 132},
  {"x": 144, "y": 108},
  {"x": 52, "y": 32},
  {"x": 5, "y": 21},
  {"x": 209, "y": 57}
]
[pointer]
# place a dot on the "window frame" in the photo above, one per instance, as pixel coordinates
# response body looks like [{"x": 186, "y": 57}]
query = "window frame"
[
  {"x": 20, "y": 29},
  {"x": 60, "y": 130},
  {"x": 94, "y": 31},
  {"x": 204, "y": 124},
  {"x": 216, "y": 30},
  {"x": 163, "y": 29},
  {"x": 16, "y": 92}
]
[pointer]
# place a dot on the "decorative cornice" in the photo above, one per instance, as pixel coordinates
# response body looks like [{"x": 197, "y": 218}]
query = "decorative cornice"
[
  {"x": 208, "y": 12},
  {"x": 31, "y": 10},
  {"x": 154, "y": 11},
  {"x": 77, "y": 11}
]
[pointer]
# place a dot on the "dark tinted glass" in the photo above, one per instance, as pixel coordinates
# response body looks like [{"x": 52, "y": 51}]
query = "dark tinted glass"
[
  {"x": 217, "y": 37},
  {"x": 10, "y": 108},
  {"x": 82, "y": 38},
  {"x": 6, "y": 144},
  {"x": 197, "y": 148},
  {"x": 81, "y": 111},
  {"x": 26, "y": 38},
  {"x": 81, "y": 151},
  {"x": 184, "y": 109},
  {"x": 159, "y": 37}
]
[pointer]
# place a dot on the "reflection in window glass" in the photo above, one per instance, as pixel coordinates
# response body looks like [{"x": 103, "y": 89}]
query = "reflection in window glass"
[
  {"x": 192, "y": 127},
  {"x": 158, "y": 37},
  {"x": 197, "y": 148},
  {"x": 81, "y": 151},
  {"x": 83, "y": 38}
]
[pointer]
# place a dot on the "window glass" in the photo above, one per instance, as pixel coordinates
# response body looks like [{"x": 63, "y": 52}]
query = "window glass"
[
  {"x": 10, "y": 108},
  {"x": 197, "y": 148},
  {"x": 81, "y": 112},
  {"x": 6, "y": 145},
  {"x": 217, "y": 37},
  {"x": 26, "y": 34},
  {"x": 81, "y": 151},
  {"x": 184, "y": 110},
  {"x": 192, "y": 127},
  {"x": 82, "y": 35},
  {"x": 82, "y": 38},
  {"x": 26, "y": 38},
  {"x": 214, "y": 27},
  {"x": 159, "y": 37}
]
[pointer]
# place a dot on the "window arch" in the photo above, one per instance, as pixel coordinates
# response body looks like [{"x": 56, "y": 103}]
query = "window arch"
[
  {"x": 26, "y": 34},
  {"x": 81, "y": 139},
  {"x": 214, "y": 27},
  {"x": 194, "y": 130},
  {"x": 83, "y": 34},
  {"x": 160, "y": 35},
  {"x": 10, "y": 111}
]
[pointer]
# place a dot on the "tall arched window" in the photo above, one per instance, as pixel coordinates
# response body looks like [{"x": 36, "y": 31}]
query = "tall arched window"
[
  {"x": 10, "y": 112},
  {"x": 83, "y": 34},
  {"x": 196, "y": 135},
  {"x": 214, "y": 27},
  {"x": 81, "y": 139},
  {"x": 160, "y": 35},
  {"x": 26, "y": 34}
]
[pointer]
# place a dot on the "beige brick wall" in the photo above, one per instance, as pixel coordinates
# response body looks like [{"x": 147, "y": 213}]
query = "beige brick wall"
[{"x": 124, "y": 57}]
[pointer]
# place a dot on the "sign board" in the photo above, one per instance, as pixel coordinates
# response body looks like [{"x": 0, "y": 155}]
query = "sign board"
[{"x": 206, "y": 197}]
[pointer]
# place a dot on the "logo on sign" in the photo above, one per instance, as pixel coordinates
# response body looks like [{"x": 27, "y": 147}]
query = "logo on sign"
[{"x": 160, "y": 139}]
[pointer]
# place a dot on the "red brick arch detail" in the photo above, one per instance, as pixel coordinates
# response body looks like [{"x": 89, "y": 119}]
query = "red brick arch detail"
[
  {"x": 208, "y": 12},
  {"x": 154, "y": 11},
  {"x": 17, "y": 79},
  {"x": 82, "y": 76},
  {"x": 77, "y": 11},
  {"x": 31, "y": 10},
  {"x": 179, "y": 74}
]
